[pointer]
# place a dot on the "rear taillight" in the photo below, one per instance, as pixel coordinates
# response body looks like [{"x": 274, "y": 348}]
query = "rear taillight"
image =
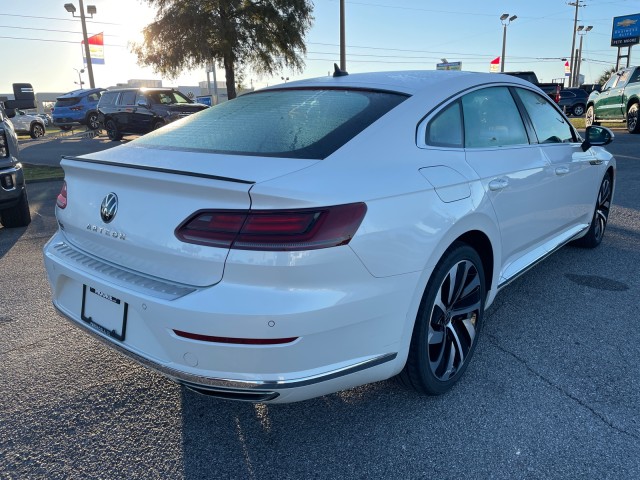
[
  {"x": 274, "y": 230},
  {"x": 61, "y": 201},
  {"x": 557, "y": 97}
]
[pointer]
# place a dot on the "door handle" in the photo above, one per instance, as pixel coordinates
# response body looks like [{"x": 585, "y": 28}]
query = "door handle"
[
  {"x": 562, "y": 170},
  {"x": 498, "y": 184}
]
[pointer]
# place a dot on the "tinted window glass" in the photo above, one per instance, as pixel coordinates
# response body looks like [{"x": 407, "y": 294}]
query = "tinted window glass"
[
  {"x": 94, "y": 97},
  {"x": 108, "y": 98},
  {"x": 635, "y": 77},
  {"x": 66, "y": 102},
  {"x": 623, "y": 78},
  {"x": 491, "y": 119},
  {"x": 128, "y": 98},
  {"x": 297, "y": 123},
  {"x": 611, "y": 82},
  {"x": 549, "y": 124},
  {"x": 445, "y": 130}
]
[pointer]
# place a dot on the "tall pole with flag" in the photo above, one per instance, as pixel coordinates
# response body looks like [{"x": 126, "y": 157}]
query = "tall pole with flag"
[{"x": 86, "y": 45}]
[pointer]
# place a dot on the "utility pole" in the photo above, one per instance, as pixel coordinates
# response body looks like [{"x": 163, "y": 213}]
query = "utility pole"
[
  {"x": 577, "y": 4},
  {"x": 91, "y": 10},
  {"x": 343, "y": 50}
]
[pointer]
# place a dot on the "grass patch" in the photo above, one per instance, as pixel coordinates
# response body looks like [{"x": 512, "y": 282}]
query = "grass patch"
[
  {"x": 578, "y": 123},
  {"x": 41, "y": 173}
]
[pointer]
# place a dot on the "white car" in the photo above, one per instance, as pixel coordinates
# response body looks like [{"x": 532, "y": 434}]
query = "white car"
[
  {"x": 28, "y": 124},
  {"x": 323, "y": 234}
]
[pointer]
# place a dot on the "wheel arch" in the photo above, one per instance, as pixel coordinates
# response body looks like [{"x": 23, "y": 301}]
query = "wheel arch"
[
  {"x": 476, "y": 231},
  {"x": 481, "y": 243},
  {"x": 630, "y": 102}
]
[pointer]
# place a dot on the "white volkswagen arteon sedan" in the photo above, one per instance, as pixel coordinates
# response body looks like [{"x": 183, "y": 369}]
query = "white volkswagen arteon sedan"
[{"x": 323, "y": 234}]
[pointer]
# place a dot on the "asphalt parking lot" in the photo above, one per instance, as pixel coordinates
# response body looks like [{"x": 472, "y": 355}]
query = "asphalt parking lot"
[{"x": 553, "y": 390}]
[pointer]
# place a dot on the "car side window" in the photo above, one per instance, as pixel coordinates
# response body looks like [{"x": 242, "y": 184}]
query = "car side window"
[
  {"x": 611, "y": 82},
  {"x": 635, "y": 77},
  {"x": 623, "y": 78},
  {"x": 94, "y": 97},
  {"x": 445, "y": 130},
  {"x": 549, "y": 124},
  {"x": 492, "y": 119},
  {"x": 128, "y": 98}
]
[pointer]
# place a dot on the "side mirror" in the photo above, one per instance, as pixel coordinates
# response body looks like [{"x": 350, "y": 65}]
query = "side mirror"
[
  {"x": 597, "y": 136},
  {"x": 142, "y": 103},
  {"x": 11, "y": 112}
]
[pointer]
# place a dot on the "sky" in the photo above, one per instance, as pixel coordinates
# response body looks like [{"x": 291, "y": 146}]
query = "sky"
[{"x": 40, "y": 40}]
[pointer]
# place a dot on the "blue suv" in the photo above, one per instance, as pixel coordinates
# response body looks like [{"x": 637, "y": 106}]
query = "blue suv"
[{"x": 77, "y": 107}]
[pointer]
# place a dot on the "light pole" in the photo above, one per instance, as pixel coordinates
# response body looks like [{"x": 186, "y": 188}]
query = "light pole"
[
  {"x": 80, "y": 82},
  {"x": 582, "y": 31},
  {"x": 576, "y": 4},
  {"x": 506, "y": 20},
  {"x": 343, "y": 49},
  {"x": 91, "y": 10}
]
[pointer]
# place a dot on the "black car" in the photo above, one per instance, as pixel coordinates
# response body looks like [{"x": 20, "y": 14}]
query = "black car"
[
  {"x": 140, "y": 110},
  {"x": 573, "y": 101},
  {"x": 14, "y": 204}
]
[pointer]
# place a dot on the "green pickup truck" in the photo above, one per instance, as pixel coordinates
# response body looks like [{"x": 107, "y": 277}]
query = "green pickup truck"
[{"x": 618, "y": 101}]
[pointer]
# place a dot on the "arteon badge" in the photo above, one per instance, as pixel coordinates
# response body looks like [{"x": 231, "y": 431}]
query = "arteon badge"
[{"x": 109, "y": 207}]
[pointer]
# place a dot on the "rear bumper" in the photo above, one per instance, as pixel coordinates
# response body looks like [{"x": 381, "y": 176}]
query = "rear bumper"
[{"x": 345, "y": 335}]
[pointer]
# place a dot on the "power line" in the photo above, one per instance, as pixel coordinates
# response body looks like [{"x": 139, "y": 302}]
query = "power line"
[
  {"x": 55, "y": 41},
  {"x": 56, "y": 18}
]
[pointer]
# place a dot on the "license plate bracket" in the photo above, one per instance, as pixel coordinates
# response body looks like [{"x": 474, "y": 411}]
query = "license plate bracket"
[{"x": 104, "y": 312}]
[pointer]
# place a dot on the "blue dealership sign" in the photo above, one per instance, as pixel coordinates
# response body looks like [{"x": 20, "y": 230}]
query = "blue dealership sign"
[
  {"x": 626, "y": 30},
  {"x": 204, "y": 99}
]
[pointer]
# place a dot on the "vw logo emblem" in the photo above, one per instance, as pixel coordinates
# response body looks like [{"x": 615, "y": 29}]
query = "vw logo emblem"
[{"x": 109, "y": 207}]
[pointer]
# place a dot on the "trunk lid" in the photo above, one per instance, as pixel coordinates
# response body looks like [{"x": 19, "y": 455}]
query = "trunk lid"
[{"x": 156, "y": 191}]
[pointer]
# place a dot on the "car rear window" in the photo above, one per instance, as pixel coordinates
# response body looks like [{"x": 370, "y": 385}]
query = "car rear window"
[
  {"x": 66, "y": 102},
  {"x": 290, "y": 123}
]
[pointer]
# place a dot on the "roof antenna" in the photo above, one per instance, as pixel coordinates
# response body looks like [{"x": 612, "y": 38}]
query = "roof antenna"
[{"x": 337, "y": 72}]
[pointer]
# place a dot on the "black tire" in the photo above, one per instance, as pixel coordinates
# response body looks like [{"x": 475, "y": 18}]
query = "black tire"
[
  {"x": 66, "y": 128},
  {"x": 158, "y": 125},
  {"x": 590, "y": 116},
  {"x": 92, "y": 121},
  {"x": 594, "y": 236},
  {"x": 18, "y": 215},
  {"x": 443, "y": 341},
  {"x": 37, "y": 130},
  {"x": 633, "y": 122},
  {"x": 112, "y": 130},
  {"x": 578, "y": 110}
]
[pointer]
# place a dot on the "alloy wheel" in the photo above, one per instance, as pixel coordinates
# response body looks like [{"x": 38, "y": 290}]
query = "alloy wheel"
[
  {"x": 453, "y": 320},
  {"x": 602, "y": 208},
  {"x": 632, "y": 119}
]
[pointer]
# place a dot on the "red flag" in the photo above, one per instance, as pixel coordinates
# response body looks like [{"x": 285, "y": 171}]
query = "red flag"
[
  {"x": 97, "y": 39},
  {"x": 495, "y": 61},
  {"x": 96, "y": 47},
  {"x": 494, "y": 64}
]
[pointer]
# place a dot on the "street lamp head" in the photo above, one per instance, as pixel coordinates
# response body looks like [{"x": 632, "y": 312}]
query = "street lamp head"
[
  {"x": 503, "y": 17},
  {"x": 444, "y": 60},
  {"x": 91, "y": 9},
  {"x": 589, "y": 28},
  {"x": 511, "y": 19},
  {"x": 580, "y": 27},
  {"x": 70, "y": 7}
]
